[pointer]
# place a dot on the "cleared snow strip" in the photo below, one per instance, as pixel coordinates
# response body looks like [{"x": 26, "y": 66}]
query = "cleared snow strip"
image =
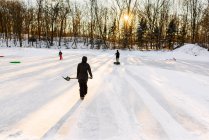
[
  {"x": 39, "y": 122},
  {"x": 174, "y": 130},
  {"x": 142, "y": 123},
  {"x": 34, "y": 62},
  {"x": 41, "y": 67},
  {"x": 58, "y": 109},
  {"x": 82, "y": 122},
  {"x": 124, "y": 126},
  {"x": 192, "y": 94},
  {"x": 187, "y": 105},
  {"x": 59, "y": 124}
]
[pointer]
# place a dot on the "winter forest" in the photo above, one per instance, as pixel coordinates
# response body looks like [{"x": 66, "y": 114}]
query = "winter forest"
[{"x": 124, "y": 24}]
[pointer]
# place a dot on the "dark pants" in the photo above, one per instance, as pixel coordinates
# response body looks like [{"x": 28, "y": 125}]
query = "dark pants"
[{"x": 83, "y": 88}]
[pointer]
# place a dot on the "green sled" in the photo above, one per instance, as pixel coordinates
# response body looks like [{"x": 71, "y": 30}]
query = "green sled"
[{"x": 15, "y": 62}]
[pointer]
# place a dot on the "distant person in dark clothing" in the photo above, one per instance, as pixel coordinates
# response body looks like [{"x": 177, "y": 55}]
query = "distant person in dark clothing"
[
  {"x": 82, "y": 74},
  {"x": 117, "y": 56},
  {"x": 60, "y": 55}
]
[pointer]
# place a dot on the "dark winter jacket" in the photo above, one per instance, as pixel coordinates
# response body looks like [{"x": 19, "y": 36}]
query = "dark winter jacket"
[
  {"x": 117, "y": 54},
  {"x": 60, "y": 53},
  {"x": 83, "y": 69}
]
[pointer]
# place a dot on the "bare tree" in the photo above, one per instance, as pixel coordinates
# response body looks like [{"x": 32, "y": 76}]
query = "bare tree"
[
  {"x": 92, "y": 22},
  {"x": 117, "y": 24},
  {"x": 53, "y": 12},
  {"x": 195, "y": 8},
  {"x": 102, "y": 25},
  {"x": 127, "y": 9},
  {"x": 62, "y": 18},
  {"x": 204, "y": 25},
  {"x": 5, "y": 20},
  {"x": 39, "y": 16},
  {"x": 76, "y": 24},
  {"x": 29, "y": 20},
  {"x": 17, "y": 11}
]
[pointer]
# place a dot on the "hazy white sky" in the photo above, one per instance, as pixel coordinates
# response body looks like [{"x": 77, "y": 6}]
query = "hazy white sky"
[
  {"x": 176, "y": 3},
  {"x": 77, "y": 1}
]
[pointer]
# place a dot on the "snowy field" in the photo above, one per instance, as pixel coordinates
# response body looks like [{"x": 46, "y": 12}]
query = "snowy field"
[{"x": 150, "y": 96}]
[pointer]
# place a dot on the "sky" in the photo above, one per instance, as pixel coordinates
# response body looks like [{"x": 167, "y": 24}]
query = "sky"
[
  {"x": 30, "y": 2},
  {"x": 176, "y": 3}
]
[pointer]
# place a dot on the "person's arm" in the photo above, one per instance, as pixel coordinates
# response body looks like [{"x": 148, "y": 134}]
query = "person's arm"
[
  {"x": 78, "y": 70},
  {"x": 89, "y": 70}
]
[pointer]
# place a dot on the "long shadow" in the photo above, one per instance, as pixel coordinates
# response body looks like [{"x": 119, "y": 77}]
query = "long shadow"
[
  {"x": 175, "y": 112},
  {"x": 179, "y": 65},
  {"x": 51, "y": 132},
  {"x": 16, "y": 107},
  {"x": 33, "y": 63},
  {"x": 36, "y": 69},
  {"x": 42, "y": 70}
]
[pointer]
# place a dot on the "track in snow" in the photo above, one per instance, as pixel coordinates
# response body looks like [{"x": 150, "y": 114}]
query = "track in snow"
[{"x": 141, "y": 99}]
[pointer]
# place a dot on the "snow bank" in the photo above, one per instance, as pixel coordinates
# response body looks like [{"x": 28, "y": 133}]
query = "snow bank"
[
  {"x": 191, "y": 52},
  {"x": 193, "y": 49}
]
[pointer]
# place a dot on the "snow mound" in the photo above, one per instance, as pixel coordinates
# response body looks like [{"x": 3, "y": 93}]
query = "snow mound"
[{"x": 193, "y": 49}]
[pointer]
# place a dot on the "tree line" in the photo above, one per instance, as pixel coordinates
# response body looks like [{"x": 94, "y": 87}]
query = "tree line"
[{"x": 125, "y": 24}]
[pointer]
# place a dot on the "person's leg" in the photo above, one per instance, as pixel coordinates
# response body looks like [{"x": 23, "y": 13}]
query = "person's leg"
[
  {"x": 117, "y": 59},
  {"x": 82, "y": 92},
  {"x": 85, "y": 88}
]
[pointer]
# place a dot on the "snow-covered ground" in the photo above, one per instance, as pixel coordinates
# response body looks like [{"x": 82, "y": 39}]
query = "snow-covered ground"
[{"x": 150, "y": 96}]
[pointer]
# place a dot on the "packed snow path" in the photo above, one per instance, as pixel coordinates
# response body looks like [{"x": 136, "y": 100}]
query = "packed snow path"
[{"x": 142, "y": 99}]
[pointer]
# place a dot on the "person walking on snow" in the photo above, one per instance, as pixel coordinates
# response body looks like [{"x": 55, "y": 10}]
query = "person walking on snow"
[
  {"x": 82, "y": 74},
  {"x": 117, "y": 56},
  {"x": 60, "y": 55}
]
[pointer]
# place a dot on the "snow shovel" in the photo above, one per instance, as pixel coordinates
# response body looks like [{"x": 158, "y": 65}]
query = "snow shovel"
[{"x": 68, "y": 78}]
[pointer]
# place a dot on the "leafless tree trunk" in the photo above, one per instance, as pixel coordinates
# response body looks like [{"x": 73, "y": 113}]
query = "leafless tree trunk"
[
  {"x": 17, "y": 12},
  {"x": 39, "y": 17},
  {"x": 102, "y": 29},
  {"x": 63, "y": 15},
  {"x": 53, "y": 12}
]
